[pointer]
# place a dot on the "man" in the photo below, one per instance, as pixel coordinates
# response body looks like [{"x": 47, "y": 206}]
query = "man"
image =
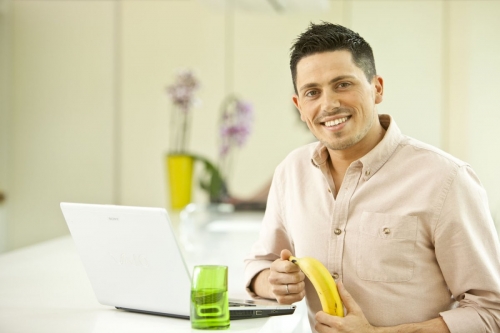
[{"x": 403, "y": 227}]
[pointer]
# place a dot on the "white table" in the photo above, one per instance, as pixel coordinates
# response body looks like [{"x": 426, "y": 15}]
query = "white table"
[{"x": 44, "y": 288}]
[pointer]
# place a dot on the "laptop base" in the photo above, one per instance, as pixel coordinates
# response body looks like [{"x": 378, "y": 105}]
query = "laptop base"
[{"x": 242, "y": 314}]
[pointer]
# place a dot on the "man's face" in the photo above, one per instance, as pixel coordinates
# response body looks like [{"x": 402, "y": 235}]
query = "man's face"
[{"x": 336, "y": 101}]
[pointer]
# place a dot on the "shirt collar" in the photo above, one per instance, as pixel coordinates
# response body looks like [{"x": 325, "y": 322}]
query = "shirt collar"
[
  {"x": 374, "y": 160},
  {"x": 320, "y": 155}
]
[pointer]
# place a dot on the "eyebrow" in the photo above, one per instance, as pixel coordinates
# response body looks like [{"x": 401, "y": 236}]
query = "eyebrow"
[{"x": 336, "y": 79}]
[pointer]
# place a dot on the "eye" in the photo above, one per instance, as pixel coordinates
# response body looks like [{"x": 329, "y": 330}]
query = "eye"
[
  {"x": 311, "y": 93},
  {"x": 344, "y": 85}
]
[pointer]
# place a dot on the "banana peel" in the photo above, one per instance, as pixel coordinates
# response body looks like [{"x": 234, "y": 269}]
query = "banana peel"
[{"x": 323, "y": 282}]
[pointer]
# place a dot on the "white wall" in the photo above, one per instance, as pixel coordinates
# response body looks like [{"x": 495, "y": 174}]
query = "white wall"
[
  {"x": 407, "y": 40},
  {"x": 61, "y": 121},
  {"x": 89, "y": 115},
  {"x": 474, "y": 82},
  {"x": 158, "y": 38},
  {"x": 5, "y": 37}
]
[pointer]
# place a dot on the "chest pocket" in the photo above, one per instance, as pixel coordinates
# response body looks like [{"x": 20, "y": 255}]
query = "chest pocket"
[{"x": 386, "y": 246}]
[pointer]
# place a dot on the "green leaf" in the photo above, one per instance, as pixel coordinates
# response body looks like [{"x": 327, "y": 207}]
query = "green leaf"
[{"x": 211, "y": 180}]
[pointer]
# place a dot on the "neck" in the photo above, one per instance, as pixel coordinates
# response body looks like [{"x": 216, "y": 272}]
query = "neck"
[{"x": 340, "y": 160}]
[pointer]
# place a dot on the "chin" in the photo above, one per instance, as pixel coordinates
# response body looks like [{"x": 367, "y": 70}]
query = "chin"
[{"x": 339, "y": 145}]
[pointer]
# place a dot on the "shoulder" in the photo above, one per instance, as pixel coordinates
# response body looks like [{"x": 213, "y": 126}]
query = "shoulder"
[
  {"x": 297, "y": 164},
  {"x": 432, "y": 155},
  {"x": 299, "y": 157}
]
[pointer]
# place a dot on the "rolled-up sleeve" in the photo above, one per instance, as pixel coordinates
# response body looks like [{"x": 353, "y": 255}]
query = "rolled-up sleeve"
[
  {"x": 467, "y": 249},
  {"x": 273, "y": 236}
]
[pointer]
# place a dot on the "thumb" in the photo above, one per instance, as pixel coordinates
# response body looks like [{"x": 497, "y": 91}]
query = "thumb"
[
  {"x": 285, "y": 254},
  {"x": 349, "y": 302}
]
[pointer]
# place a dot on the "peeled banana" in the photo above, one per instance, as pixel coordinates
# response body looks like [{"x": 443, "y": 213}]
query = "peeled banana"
[{"x": 323, "y": 282}]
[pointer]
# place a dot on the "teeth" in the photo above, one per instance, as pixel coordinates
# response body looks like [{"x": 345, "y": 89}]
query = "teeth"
[{"x": 335, "y": 122}]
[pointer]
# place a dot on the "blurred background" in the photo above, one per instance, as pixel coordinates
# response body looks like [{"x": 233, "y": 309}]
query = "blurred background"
[{"x": 84, "y": 115}]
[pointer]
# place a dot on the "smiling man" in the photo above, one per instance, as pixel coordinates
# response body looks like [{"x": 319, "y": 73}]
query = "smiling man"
[
  {"x": 403, "y": 227},
  {"x": 337, "y": 102}
]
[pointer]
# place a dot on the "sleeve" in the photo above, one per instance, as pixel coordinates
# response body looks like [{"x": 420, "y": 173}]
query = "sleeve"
[
  {"x": 273, "y": 235},
  {"x": 468, "y": 252}
]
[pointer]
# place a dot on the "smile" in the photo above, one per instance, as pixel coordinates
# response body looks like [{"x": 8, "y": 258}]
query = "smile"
[{"x": 336, "y": 122}]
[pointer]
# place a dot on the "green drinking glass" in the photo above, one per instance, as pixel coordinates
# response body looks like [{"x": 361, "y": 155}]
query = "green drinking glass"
[{"x": 209, "y": 300}]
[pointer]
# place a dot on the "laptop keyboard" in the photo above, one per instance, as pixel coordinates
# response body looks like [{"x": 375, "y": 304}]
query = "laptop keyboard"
[{"x": 241, "y": 305}]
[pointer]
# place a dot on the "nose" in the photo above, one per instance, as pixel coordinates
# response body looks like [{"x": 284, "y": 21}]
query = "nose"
[{"x": 329, "y": 101}]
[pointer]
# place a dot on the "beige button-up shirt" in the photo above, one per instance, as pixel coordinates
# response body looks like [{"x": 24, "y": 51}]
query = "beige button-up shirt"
[{"x": 409, "y": 233}]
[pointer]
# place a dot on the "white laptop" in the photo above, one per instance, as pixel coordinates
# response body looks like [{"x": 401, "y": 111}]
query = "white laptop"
[{"x": 134, "y": 262}]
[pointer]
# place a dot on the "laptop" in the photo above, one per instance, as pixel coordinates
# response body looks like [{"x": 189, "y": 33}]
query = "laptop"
[{"x": 134, "y": 262}]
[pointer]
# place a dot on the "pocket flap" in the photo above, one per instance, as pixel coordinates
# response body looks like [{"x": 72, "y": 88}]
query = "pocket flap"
[{"x": 389, "y": 226}]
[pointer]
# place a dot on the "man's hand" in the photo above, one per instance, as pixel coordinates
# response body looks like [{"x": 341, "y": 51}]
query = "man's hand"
[
  {"x": 356, "y": 322},
  {"x": 286, "y": 280}
]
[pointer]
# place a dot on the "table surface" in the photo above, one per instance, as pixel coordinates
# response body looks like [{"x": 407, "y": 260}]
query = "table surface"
[{"x": 44, "y": 288}]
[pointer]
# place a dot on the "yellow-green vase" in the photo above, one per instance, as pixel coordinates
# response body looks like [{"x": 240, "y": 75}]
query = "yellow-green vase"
[{"x": 179, "y": 169}]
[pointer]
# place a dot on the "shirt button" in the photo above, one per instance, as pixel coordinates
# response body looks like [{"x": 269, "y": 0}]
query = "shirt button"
[
  {"x": 329, "y": 191},
  {"x": 335, "y": 276},
  {"x": 368, "y": 172},
  {"x": 337, "y": 231},
  {"x": 387, "y": 231}
]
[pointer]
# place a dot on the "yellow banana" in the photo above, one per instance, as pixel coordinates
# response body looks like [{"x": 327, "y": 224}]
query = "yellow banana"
[{"x": 323, "y": 282}]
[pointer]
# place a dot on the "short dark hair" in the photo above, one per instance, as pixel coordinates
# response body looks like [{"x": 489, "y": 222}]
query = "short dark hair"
[{"x": 326, "y": 37}]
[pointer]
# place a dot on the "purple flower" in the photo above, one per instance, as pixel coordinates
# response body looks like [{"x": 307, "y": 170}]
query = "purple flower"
[
  {"x": 236, "y": 125},
  {"x": 182, "y": 92}
]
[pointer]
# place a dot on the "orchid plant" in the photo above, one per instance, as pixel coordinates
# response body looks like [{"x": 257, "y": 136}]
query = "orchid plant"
[
  {"x": 235, "y": 126},
  {"x": 183, "y": 96}
]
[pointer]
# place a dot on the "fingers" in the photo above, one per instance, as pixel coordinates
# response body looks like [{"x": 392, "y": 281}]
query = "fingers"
[
  {"x": 285, "y": 254},
  {"x": 295, "y": 293},
  {"x": 325, "y": 322},
  {"x": 349, "y": 302},
  {"x": 354, "y": 321},
  {"x": 291, "y": 288},
  {"x": 283, "y": 265},
  {"x": 288, "y": 289},
  {"x": 286, "y": 280}
]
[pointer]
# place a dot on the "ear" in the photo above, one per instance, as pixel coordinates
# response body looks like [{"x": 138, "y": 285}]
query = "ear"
[
  {"x": 379, "y": 88},
  {"x": 295, "y": 100}
]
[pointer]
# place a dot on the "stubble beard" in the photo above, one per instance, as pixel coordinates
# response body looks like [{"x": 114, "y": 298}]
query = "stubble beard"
[{"x": 341, "y": 144}]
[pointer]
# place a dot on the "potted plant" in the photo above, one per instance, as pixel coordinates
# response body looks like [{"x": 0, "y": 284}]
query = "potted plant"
[
  {"x": 235, "y": 124},
  {"x": 179, "y": 163}
]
